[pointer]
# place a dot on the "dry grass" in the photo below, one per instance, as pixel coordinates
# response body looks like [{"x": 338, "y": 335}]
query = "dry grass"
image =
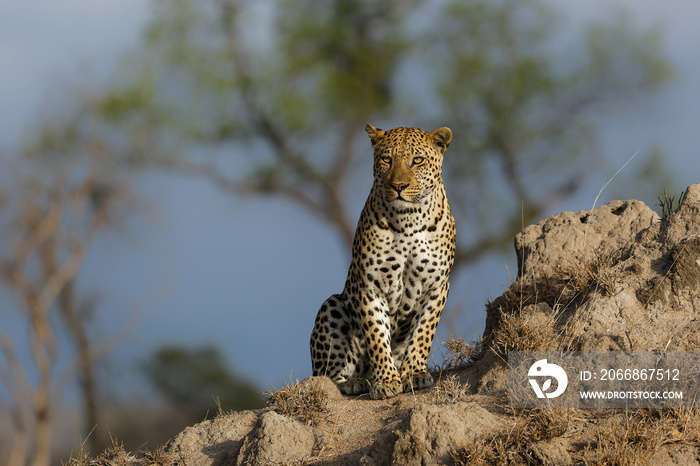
[
  {"x": 449, "y": 390},
  {"x": 475, "y": 453},
  {"x": 634, "y": 438},
  {"x": 302, "y": 401},
  {"x": 525, "y": 332},
  {"x": 568, "y": 284},
  {"x": 564, "y": 290},
  {"x": 116, "y": 455},
  {"x": 460, "y": 354},
  {"x": 514, "y": 445},
  {"x": 159, "y": 457},
  {"x": 521, "y": 330},
  {"x": 631, "y": 443},
  {"x": 80, "y": 459},
  {"x": 595, "y": 274}
]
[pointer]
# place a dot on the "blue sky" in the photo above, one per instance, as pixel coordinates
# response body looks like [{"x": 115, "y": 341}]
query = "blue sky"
[{"x": 201, "y": 267}]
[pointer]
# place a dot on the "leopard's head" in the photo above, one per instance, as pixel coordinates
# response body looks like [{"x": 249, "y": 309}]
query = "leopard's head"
[{"x": 408, "y": 161}]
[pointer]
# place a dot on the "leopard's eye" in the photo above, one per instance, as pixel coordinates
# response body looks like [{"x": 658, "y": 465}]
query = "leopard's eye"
[
  {"x": 418, "y": 160},
  {"x": 386, "y": 159}
]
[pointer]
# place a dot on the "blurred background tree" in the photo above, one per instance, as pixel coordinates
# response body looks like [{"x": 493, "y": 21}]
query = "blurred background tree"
[
  {"x": 199, "y": 383},
  {"x": 267, "y": 99},
  {"x": 53, "y": 210}
]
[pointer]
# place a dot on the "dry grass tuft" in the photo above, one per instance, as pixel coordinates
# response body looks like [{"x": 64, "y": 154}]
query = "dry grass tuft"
[
  {"x": 522, "y": 328},
  {"x": 640, "y": 433},
  {"x": 116, "y": 455},
  {"x": 631, "y": 442},
  {"x": 460, "y": 353},
  {"x": 81, "y": 459},
  {"x": 159, "y": 457},
  {"x": 514, "y": 445},
  {"x": 595, "y": 274},
  {"x": 544, "y": 424},
  {"x": 478, "y": 452},
  {"x": 303, "y": 401},
  {"x": 566, "y": 286},
  {"x": 449, "y": 390},
  {"x": 525, "y": 332}
]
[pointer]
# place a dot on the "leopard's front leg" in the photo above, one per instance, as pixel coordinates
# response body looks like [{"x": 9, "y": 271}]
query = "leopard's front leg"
[
  {"x": 414, "y": 370},
  {"x": 374, "y": 316}
]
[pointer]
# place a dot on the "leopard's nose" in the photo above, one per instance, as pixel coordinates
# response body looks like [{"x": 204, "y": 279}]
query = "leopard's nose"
[{"x": 399, "y": 186}]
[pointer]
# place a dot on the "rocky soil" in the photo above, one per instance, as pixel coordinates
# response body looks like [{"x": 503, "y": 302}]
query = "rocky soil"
[{"x": 615, "y": 278}]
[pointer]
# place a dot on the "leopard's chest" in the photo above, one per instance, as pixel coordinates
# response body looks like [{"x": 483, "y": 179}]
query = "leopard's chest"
[{"x": 408, "y": 272}]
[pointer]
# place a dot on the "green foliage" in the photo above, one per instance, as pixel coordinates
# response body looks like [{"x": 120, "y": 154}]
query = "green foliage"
[
  {"x": 273, "y": 96},
  {"x": 667, "y": 205},
  {"x": 122, "y": 102},
  {"x": 193, "y": 379},
  {"x": 348, "y": 49},
  {"x": 529, "y": 108}
]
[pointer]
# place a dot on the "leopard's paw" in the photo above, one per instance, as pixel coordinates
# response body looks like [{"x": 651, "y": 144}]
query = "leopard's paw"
[
  {"x": 418, "y": 381},
  {"x": 354, "y": 386},
  {"x": 385, "y": 389}
]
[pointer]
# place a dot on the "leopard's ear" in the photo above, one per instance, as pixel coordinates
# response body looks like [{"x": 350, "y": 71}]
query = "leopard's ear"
[
  {"x": 441, "y": 137},
  {"x": 375, "y": 134}
]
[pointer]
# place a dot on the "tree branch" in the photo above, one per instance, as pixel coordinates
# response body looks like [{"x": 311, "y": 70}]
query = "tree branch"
[{"x": 20, "y": 390}]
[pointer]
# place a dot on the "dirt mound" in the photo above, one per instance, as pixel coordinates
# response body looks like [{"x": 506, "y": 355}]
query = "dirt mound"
[
  {"x": 614, "y": 278},
  {"x": 618, "y": 277},
  {"x": 411, "y": 429}
]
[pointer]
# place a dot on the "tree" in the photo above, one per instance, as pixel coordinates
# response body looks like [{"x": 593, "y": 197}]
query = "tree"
[
  {"x": 51, "y": 213},
  {"x": 194, "y": 380},
  {"x": 267, "y": 99}
]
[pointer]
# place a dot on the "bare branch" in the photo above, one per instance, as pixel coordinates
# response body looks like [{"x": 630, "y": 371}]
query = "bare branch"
[
  {"x": 45, "y": 227},
  {"x": 20, "y": 390},
  {"x": 58, "y": 279}
]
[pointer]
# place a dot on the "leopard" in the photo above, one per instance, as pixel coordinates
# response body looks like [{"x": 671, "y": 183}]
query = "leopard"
[{"x": 375, "y": 337}]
